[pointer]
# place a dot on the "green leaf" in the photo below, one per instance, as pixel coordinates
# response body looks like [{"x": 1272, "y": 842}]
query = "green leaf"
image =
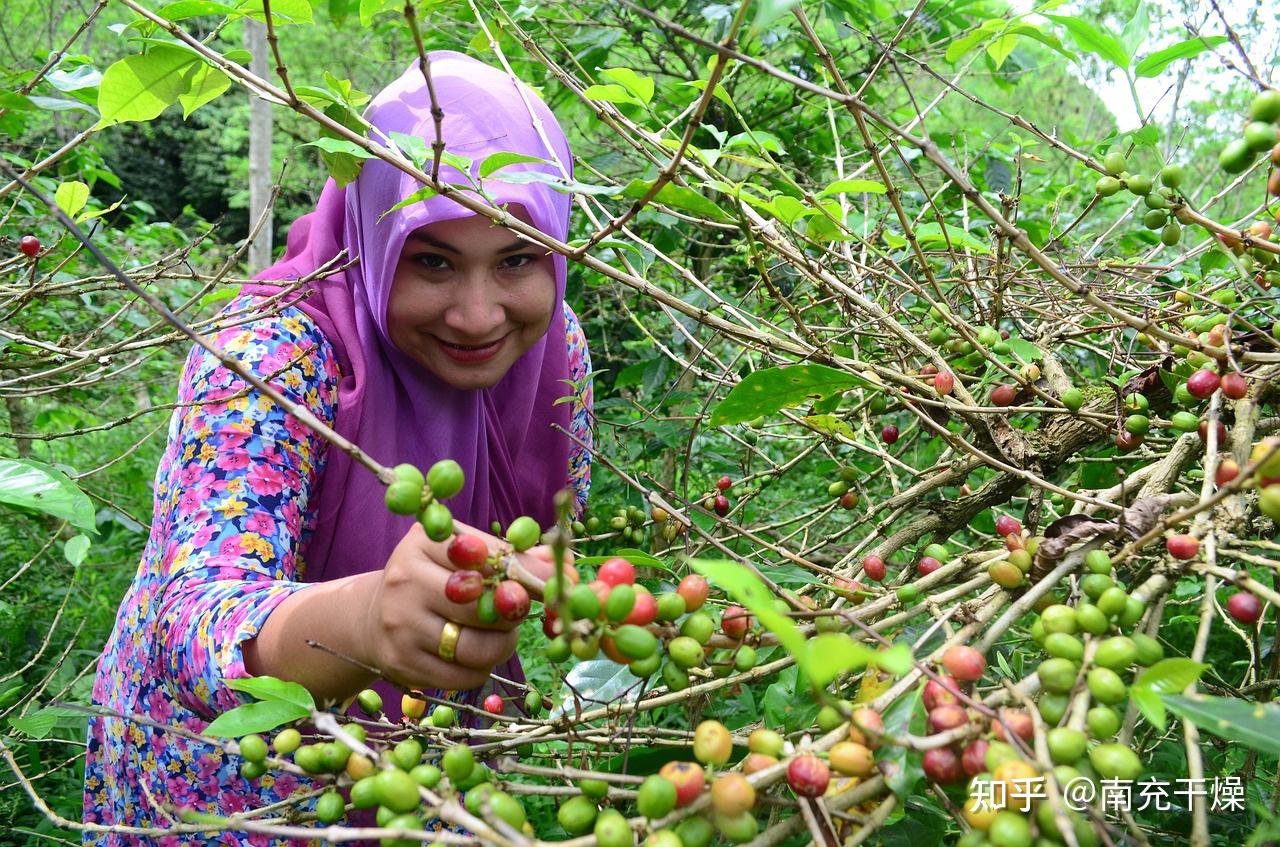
[
  {"x": 340, "y": 145},
  {"x": 76, "y": 549},
  {"x": 640, "y": 86},
  {"x": 853, "y": 186},
  {"x": 138, "y": 88},
  {"x": 768, "y": 11},
  {"x": 1255, "y": 725},
  {"x": 1047, "y": 39},
  {"x": 612, "y": 93},
  {"x": 1024, "y": 350},
  {"x": 967, "y": 42},
  {"x": 831, "y": 425},
  {"x": 40, "y": 723},
  {"x": 564, "y": 186},
  {"x": 255, "y": 717},
  {"x": 1094, "y": 38},
  {"x": 282, "y": 11},
  {"x": 1155, "y": 64},
  {"x": 184, "y": 9},
  {"x": 834, "y": 653},
  {"x": 933, "y": 234},
  {"x": 71, "y": 197},
  {"x": 501, "y": 160},
  {"x": 764, "y": 392},
  {"x": 268, "y": 688},
  {"x": 204, "y": 84},
  {"x": 424, "y": 193},
  {"x": 38, "y": 487},
  {"x": 677, "y": 197},
  {"x": 1168, "y": 676},
  {"x": 744, "y": 587},
  {"x": 370, "y": 8},
  {"x": 1136, "y": 29},
  {"x": 897, "y": 660},
  {"x": 905, "y": 715}
]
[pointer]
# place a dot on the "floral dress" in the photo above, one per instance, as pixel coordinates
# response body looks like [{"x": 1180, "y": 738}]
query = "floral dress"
[{"x": 233, "y": 505}]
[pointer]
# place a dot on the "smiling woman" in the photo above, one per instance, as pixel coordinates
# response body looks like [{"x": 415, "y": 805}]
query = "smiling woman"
[
  {"x": 467, "y": 313},
  {"x": 446, "y": 338}
]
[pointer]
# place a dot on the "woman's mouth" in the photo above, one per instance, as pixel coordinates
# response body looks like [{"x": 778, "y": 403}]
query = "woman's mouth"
[{"x": 471, "y": 353}]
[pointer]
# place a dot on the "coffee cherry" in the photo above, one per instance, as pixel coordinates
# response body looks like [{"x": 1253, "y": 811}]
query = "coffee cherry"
[
  {"x": 964, "y": 663},
  {"x": 437, "y": 521},
  {"x": 1203, "y": 383},
  {"x": 494, "y": 704},
  {"x": 873, "y": 567},
  {"x": 927, "y": 565},
  {"x": 1245, "y": 607},
  {"x": 411, "y": 707},
  {"x": 694, "y": 589},
  {"x": 687, "y": 777},
  {"x": 1183, "y": 546},
  {"x": 577, "y": 815},
  {"x": 468, "y": 551},
  {"x": 523, "y": 533},
  {"x": 721, "y": 505},
  {"x": 1114, "y": 163},
  {"x": 942, "y": 765},
  {"x": 724, "y": 483},
  {"x": 370, "y": 702},
  {"x": 1016, "y": 721},
  {"x": 1227, "y": 471},
  {"x": 732, "y": 794},
  {"x": 973, "y": 760},
  {"x": 445, "y": 479},
  {"x": 617, "y": 571},
  {"x": 403, "y": 497},
  {"x": 645, "y": 610},
  {"x": 458, "y": 762},
  {"x": 656, "y": 797},
  {"x": 940, "y": 692},
  {"x": 1115, "y": 761},
  {"x": 1003, "y": 394},
  {"x": 1008, "y": 525},
  {"x": 288, "y": 739},
  {"x": 945, "y": 717},
  {"x": 253, "y": 748},
  {"x": 612, "y": 830},
  {"x": 1127, "y": 442},
  {"x": 685, "y": 652},
  {"x": 753, "y": 762},
  {"x": 735, "y": 622},
  {"x": 29, "y": 245},
  {"x": 511, "y": 600},
  {"x": 396, "y": 789},
  {"x": 464, "y": 586},
  {"x": 808, "y": 775},
  {"x": 889, "y": 434},
  {"x": 1234, "y": 385},
  {"x": 944, "y": 382},
  {"x": 712, "y": 743}
]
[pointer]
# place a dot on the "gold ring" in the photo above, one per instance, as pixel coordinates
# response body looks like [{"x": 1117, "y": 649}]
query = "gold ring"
[{"x": 448, "y": 649}]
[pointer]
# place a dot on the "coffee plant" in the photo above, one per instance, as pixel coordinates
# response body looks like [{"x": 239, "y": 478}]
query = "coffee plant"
[{"x": 936, "y": 473}]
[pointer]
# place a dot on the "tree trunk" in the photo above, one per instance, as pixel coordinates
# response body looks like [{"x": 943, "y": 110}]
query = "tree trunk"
[{"x": 255, "y": 41}]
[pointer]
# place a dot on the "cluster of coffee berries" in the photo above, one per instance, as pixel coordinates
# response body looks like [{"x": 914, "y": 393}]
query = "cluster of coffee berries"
[
  {"x": 841, "y": 489},
  {"x": 1011, "y": 572},
  {"x": 1157, "y": 200},
  {"x": 718, "y": 501}
]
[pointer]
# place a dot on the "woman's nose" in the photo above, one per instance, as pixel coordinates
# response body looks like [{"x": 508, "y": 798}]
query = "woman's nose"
[{"x": 477, "y": 308}]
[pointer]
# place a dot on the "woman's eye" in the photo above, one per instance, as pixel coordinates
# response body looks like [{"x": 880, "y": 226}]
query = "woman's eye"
[
  {"x": 433, "y": 262},
  {"x": 521, "y": 261}
]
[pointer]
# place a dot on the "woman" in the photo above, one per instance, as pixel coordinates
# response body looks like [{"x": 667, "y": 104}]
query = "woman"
[{"x": 447, "y": 338}]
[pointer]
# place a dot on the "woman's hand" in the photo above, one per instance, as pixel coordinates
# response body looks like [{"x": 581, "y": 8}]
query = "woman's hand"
[{"x": 408, "y": 610}]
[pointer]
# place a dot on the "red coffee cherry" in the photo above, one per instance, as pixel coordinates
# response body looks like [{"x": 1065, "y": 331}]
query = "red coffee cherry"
[
  {"x": 464, "y": 586},
  {"x": 494, "y": 705},
  {"x": 511, "y": 600},
  {"x": 724, "y": 483},
  {"x": 735, "y": 622},
  {"x": 1007, "y": 525},
  {"x": 942, "y": 765},
  {"x": 1245, "y": 608},
  {"x": 617, "y": 571},
  {"x": 889, "y": 434},
  {"x": 873, "y": 567},
  {"x": 29, "y": 245},
  {"x": 468, "y": 551},
  {"x": 940, "y": 693},
  {"x": 944, "y": 383},
  {"x": 808, "y": 775},
  {"x": 1234, "y": 385},
  {"x": 964, "y": 663},
  {"x": 1203, "y": 383},
  {"x": 927, "y": 565},
  {"x": 1183, "y": 546},
  {"x": 694, "y": 589}
]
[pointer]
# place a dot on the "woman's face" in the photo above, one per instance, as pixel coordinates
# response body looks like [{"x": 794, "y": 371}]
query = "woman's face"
[{"x": 469, "y": 298}]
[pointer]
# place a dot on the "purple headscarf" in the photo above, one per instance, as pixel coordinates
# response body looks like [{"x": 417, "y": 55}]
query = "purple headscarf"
[{"x": 393, "y": 408}]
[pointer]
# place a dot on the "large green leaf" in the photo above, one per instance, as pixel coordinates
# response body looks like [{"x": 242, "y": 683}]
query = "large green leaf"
[
  {"x": 746, "y": 588},
  {"x": 677, "y": 197},
  {"x": 138, "y": 88},
  {"x": 40, "y": 723},
  {"x": 255, "y": 717},
  {"x": 853, "y": 186},
  {"x": 1094, "y": 38},
  {"x": 269, "y": 688},
  {"x": 1167, "y": 676},
  {"x": 38, "y": 487},
  {"x": 640, "y": 86},
  {"x": 205, "y": 83},
  {"x": 71, "y": 197},
  {"x": 764, "y": 392},
  {"x": 1155, "y": 64},
  {"x": 1255, "y": 725}
]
